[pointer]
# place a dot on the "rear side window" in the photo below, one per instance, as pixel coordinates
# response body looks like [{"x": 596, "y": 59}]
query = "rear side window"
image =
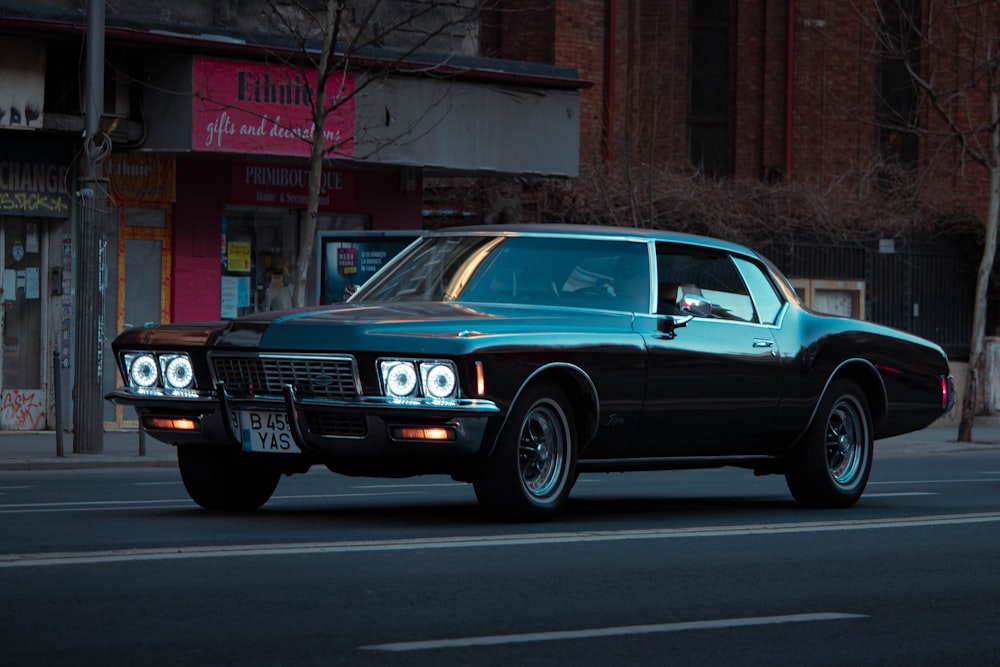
[{"x": 765, "y": 296}]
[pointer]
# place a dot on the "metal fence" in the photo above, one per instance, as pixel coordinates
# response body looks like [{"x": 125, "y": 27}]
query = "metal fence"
[{"x": 925, "y": 288}]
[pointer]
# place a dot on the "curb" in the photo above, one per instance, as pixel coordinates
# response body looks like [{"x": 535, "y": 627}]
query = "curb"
[{"x": 84, "y": 462}]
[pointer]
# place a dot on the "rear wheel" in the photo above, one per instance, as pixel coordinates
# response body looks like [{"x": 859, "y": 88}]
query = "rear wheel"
[
  {"x": 830, "y": 466},
  {"x": 224, "y": 480},
  {"x": 532, "y": 469}
]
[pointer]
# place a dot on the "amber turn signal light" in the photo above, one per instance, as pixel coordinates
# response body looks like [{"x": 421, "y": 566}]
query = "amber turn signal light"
[
  {"x": 422, "y": 433},
  {"x": 171, "y": 424}
]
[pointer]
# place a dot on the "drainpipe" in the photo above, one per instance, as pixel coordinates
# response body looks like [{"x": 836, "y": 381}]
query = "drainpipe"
[{"x": 789, "y": 84}]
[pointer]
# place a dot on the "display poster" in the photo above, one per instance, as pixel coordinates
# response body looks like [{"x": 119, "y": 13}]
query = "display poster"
[
  {"x": 238, "y": 256},
  {"x": 351, "y": 258},
  {"x": 230, "y": 297}
]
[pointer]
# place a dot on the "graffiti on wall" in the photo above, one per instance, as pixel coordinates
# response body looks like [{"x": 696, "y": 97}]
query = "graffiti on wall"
[{"x": 22, "y": 410}]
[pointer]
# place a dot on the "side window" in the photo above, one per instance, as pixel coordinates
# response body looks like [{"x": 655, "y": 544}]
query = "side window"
[
  {"x": 688, "y": 277},
  {"x": 614, "y": 276},
  {"x": 767, "y": 298}
]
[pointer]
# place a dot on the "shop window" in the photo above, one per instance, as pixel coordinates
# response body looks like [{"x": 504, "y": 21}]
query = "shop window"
[{"x": 260, "y": 251}]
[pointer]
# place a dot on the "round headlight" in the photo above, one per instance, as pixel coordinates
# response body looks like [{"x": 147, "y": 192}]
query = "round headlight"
[
  {"x": 439, "y": 380},
  {"x": 178, "y": 373},
  {"x": 400, "y": 378},
  {"x": 142, "y": 370}
]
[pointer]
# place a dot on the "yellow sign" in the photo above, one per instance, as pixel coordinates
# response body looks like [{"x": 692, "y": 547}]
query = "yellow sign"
[
  {"x": 141, "y": 178},
  {"x": 238, "y": 256}
]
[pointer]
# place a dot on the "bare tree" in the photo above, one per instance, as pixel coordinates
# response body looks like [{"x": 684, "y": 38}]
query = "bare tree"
[
  {"x": 362, "y": 41},
  {"x": 950, "y": 51}
]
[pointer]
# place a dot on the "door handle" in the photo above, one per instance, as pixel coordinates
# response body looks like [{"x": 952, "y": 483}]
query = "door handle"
[{"x": 763, "y": 342}]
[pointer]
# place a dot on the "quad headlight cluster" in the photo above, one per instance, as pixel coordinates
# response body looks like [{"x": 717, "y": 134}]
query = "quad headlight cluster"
[
  {"x": 418, "y": 378},
  {"x": 151, "y": 370}
]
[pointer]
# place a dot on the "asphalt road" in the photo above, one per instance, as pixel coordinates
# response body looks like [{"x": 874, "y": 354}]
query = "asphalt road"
[{"x": 118, "y": 567}]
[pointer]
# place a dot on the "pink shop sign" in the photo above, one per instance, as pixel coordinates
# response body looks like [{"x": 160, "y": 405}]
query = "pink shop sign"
[{"x": 259, "y": 109}]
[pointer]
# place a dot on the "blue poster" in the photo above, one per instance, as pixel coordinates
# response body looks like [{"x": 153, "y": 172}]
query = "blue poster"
[{"x": 351, "y": 259}]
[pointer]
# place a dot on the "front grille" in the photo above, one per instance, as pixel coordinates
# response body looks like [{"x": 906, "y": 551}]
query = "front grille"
[{"x": 312, "y": 376}]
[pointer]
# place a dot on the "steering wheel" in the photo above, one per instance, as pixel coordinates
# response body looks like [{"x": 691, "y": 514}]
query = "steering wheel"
[{"x": 595, "y": 290}]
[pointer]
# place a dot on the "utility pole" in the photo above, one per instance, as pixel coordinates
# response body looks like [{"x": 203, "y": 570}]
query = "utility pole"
[{"x": 88, "y": 385}]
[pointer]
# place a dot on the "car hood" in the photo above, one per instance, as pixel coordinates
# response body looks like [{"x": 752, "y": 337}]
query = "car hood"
[{"x": 389, "y": 326}]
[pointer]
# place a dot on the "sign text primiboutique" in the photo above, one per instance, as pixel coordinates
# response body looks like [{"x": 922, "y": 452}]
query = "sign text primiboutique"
[{"x": 288, "y": 186}]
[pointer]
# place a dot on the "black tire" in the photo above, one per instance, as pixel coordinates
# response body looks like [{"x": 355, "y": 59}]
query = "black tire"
[
  {"x": 530, "y": 473},
  {"x": 829, "y": 468},
  {"x": 223, "y": 480}
]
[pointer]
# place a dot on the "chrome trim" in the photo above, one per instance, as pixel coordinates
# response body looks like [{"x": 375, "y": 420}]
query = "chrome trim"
[
  {"x": 127, "y": 395},
  {"x": 216, "y": 356}
]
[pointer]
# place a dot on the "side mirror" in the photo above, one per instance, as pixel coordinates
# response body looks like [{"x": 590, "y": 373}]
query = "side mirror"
[
  {"x": 667, "y": 324},
  {"x": 349, "y": 291}
]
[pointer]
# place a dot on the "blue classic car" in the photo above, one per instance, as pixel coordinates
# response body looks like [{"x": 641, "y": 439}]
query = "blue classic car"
[{"x": 518, "y": 357}]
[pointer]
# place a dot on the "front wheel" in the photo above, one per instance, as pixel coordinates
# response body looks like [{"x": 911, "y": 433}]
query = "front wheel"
[
  {"x": 829, "y": 468},
  {"x": 531, "y": 471},
  {"x": 224, "y": 480}
]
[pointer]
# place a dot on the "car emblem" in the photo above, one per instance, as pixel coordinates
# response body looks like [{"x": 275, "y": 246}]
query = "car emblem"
[{"x": 321, "y": 381}]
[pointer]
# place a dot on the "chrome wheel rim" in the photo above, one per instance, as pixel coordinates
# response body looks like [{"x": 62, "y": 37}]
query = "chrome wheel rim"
[
  {"x": 846, "y": 442},
  {"x": 542, "y": 450}
]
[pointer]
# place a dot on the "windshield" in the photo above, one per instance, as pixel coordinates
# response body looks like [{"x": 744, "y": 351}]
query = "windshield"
[{"x": 524, "y": 270}]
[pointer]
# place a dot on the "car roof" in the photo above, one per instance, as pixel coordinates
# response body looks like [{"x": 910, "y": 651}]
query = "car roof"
[{"x": 604, "y": 232}]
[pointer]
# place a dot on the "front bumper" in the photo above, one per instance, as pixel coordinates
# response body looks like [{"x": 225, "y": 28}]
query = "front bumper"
[{"x": 322, "y": 428}]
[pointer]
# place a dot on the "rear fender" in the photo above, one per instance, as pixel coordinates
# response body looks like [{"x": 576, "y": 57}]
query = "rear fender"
[{"x": 867, "y": 376}]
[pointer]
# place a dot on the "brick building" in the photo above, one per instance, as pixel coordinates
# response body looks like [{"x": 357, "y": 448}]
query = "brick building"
[
  {"x": 807, "y": 94},
  {"x": 801, "y": 90}
]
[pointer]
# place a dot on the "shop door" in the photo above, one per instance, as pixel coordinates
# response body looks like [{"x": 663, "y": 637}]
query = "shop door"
[
  {"x": 21, "y": 386},
  {"x": 142, "y": 275}
]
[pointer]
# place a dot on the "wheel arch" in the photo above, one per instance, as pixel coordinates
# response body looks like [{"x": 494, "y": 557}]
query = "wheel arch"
[
  {"x": 864, "y": 373},
  {"x": 579, "y": 389}
]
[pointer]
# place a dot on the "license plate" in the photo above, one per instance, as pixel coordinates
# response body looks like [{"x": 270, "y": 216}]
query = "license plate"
[{"x": 267, "y": 432}]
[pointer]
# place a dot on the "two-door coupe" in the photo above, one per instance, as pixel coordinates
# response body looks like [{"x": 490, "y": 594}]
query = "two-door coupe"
[{"x": 517, "y": 357}]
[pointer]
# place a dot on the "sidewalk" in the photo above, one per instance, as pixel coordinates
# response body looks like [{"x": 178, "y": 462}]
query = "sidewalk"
[{"x": 36, "y": 450}]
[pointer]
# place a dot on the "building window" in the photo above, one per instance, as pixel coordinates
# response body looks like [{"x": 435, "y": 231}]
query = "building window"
[
  {"x": 898, "y": 102},
  {"x": 709, "y": 138}
]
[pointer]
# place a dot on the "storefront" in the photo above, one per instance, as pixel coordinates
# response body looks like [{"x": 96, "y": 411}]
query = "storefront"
[
  {"x": 34, "y": 301},
  {"x": 241, "y": 143},
  {"x": 208, "y": 180},
  {"x": 141, "y": 196}
]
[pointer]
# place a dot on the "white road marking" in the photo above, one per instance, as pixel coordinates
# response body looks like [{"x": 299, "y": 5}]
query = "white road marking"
[
  {"x": 900, "y": 494},
  {"x": 480, "y": 541},
  {"x": 931, "y": 481},
  {"x": 110, "y": 505},
  {"x": 428, "y": 485},
  {"x": 494, "y": 640}
]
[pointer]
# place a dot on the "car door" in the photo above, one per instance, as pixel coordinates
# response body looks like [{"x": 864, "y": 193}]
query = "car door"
[{"x": 712, "y": 385}]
